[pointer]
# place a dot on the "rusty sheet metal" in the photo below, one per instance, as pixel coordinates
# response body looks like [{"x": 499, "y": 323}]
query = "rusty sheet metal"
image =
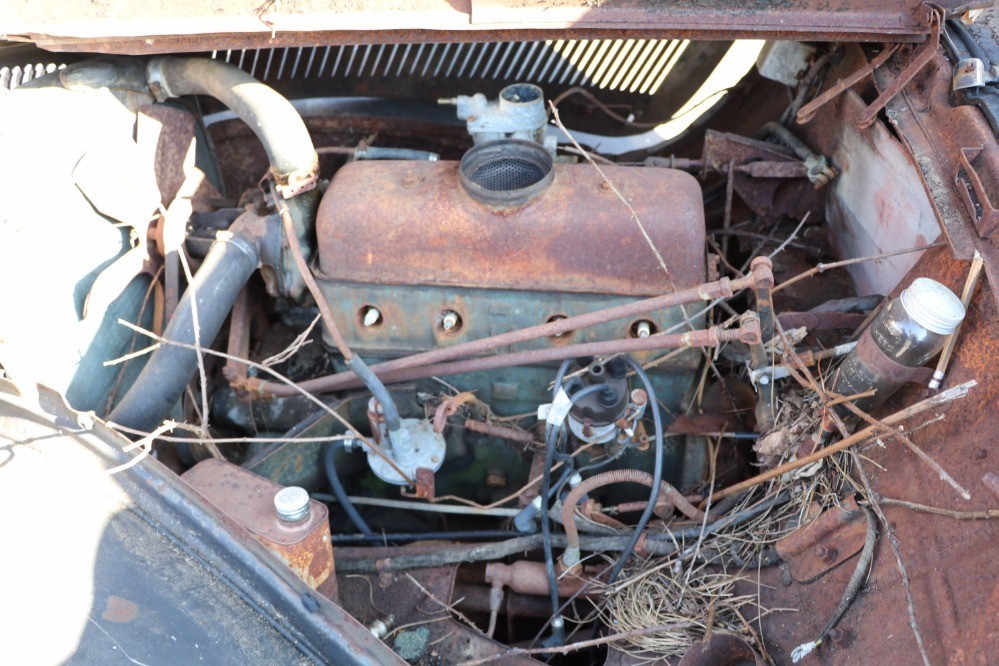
[
  {"x": 247, "y": 498},
  {"x": 148, "y": 26},
  {"x": 765, "y": 189},
  {"x": 877, "y": 203},
  {"x": 721, "y": 650},
  {"x": 374, "y": 597},
  {"x": 950, "y": 563},
  {"x": 836, "y": 535},
  {"x": 405, "y": 223},
  {"x": 938, "y": 135}
]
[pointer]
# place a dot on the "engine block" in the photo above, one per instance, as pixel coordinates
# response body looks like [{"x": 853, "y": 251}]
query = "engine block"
[{"x": 413, "y": 262}]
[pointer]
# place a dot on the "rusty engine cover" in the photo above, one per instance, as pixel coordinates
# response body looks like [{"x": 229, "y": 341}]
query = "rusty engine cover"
[{"x": 404, "y": 237}]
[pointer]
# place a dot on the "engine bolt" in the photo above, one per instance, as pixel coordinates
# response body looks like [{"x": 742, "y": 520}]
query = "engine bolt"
[
  {"x": 450, "y": 320},
  {"x": 496, "y": 479},
  {"x": 372, "y": 317},
  {"x": 839, "y": 636},
  {"x": 827, "y": 555},
  {"x": 643, "y": 329}
]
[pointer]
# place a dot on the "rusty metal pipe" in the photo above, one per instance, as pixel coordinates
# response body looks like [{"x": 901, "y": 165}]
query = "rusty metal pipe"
[
  {"x": 501, "y": 432},
  {"x": 525, "y": 577},
  {"x": 762, "y": 274},
  {"x": 571, "y": 555},
  {"x": 748, "y": 332}
]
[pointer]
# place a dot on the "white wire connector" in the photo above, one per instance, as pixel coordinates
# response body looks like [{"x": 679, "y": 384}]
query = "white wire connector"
[
  {"x": 803, "y": 651},
  {"x": 555, "y": 413}
]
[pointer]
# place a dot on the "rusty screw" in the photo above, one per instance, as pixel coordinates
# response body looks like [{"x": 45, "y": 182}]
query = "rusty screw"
[
  {"x": 827, "y": 555},
  {"x": 495, "y": 479},
  {"x": 839, "y": 636},
  {"x": 605, "y": 186}
]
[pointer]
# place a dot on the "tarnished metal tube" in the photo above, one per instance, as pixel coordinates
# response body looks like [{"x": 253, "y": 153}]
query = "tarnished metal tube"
[
  {"x": 761, "y": 274},
  {"x": 709, "y": 337},
  {"x": 571, "y": 555}
]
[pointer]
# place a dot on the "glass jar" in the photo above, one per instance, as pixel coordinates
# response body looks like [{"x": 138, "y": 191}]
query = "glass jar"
[{"x": 909, "y": 331}]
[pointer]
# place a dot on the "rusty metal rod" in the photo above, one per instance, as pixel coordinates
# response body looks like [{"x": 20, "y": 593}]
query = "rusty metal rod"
[
  {"x": 724, "y": 288},
  {"x": 748, "y": 332},
  {"x": 501, "y": 432}
]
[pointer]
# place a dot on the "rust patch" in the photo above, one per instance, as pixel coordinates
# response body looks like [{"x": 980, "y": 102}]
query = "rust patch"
[
  {"x": 396, "y": 223},
  {"x": 120, "y": 610},
  {"x": 835, "y": 536},
  {"x": 306, "y": 546}
]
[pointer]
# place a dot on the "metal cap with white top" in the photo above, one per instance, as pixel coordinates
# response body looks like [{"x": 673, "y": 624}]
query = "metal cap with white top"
[
  {"x": 292, "y": 504},
  {"x": 933, "y": 306}
]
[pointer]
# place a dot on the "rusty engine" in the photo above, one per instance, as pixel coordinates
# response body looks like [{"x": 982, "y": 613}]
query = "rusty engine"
[{"x": 578, "y": 357}]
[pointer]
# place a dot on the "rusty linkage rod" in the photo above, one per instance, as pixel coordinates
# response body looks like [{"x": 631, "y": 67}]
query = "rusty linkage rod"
[
  {"x": 390, "y": 371},
  {"x": 748, "y": 332}
]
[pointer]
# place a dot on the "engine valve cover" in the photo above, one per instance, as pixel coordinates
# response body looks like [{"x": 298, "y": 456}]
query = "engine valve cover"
[{"x": 413, "y": 262}]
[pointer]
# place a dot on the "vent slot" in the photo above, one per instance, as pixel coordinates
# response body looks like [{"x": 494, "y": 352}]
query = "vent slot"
[{"x": 626, "y": 65}]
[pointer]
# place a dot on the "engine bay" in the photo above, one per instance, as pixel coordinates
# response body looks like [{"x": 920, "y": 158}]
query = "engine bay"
[{"x": 522, "y": 350}]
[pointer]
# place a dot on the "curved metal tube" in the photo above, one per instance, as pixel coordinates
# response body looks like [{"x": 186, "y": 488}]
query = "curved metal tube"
[{"x": 571, "y": 555}]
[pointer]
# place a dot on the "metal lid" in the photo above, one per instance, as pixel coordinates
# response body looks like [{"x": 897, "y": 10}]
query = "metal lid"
[
  {"x": 292, "y": 504},
  {"x": 509, "y": 172},
  {"x": 933, "y": 306}
]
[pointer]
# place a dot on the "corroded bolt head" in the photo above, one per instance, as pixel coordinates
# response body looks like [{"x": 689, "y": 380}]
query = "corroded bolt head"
[
  {"x": 827, "y": 555},
  {"x": 495, "y": 479},
  {"x": 839, "y": 636}
]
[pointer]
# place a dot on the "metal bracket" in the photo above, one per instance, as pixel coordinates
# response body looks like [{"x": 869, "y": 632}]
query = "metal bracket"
[
  {"x": 808, "y": 111},
  {"x": 973, "y": 193},
  {"x": 915, "y": 66}
]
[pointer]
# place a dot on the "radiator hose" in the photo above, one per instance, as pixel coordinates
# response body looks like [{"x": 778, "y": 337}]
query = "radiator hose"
[
  {"x": 230, "y": 262},
  {"x": 250, "y": 241}
]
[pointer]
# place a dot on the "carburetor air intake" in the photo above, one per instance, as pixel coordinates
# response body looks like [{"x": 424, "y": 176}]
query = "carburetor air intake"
[{"x": 508, "y": 172}]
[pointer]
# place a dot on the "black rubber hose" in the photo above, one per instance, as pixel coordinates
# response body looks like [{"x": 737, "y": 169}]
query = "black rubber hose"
[
  {"x": 337, "y": 486},
  {"x": 657, "y": 471},
  {"x": 380, "y": 393},
  {"x": 973, "y": 47},
  {"x": 271, "y": 117},
  {"x": 551, "y": 441},
  {"x": 229, "y": 264}
]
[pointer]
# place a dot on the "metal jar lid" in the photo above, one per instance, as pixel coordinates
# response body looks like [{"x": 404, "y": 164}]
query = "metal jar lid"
[
  {"x": 933, "y": 306},
  {"x": 292, "y": 504}
]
